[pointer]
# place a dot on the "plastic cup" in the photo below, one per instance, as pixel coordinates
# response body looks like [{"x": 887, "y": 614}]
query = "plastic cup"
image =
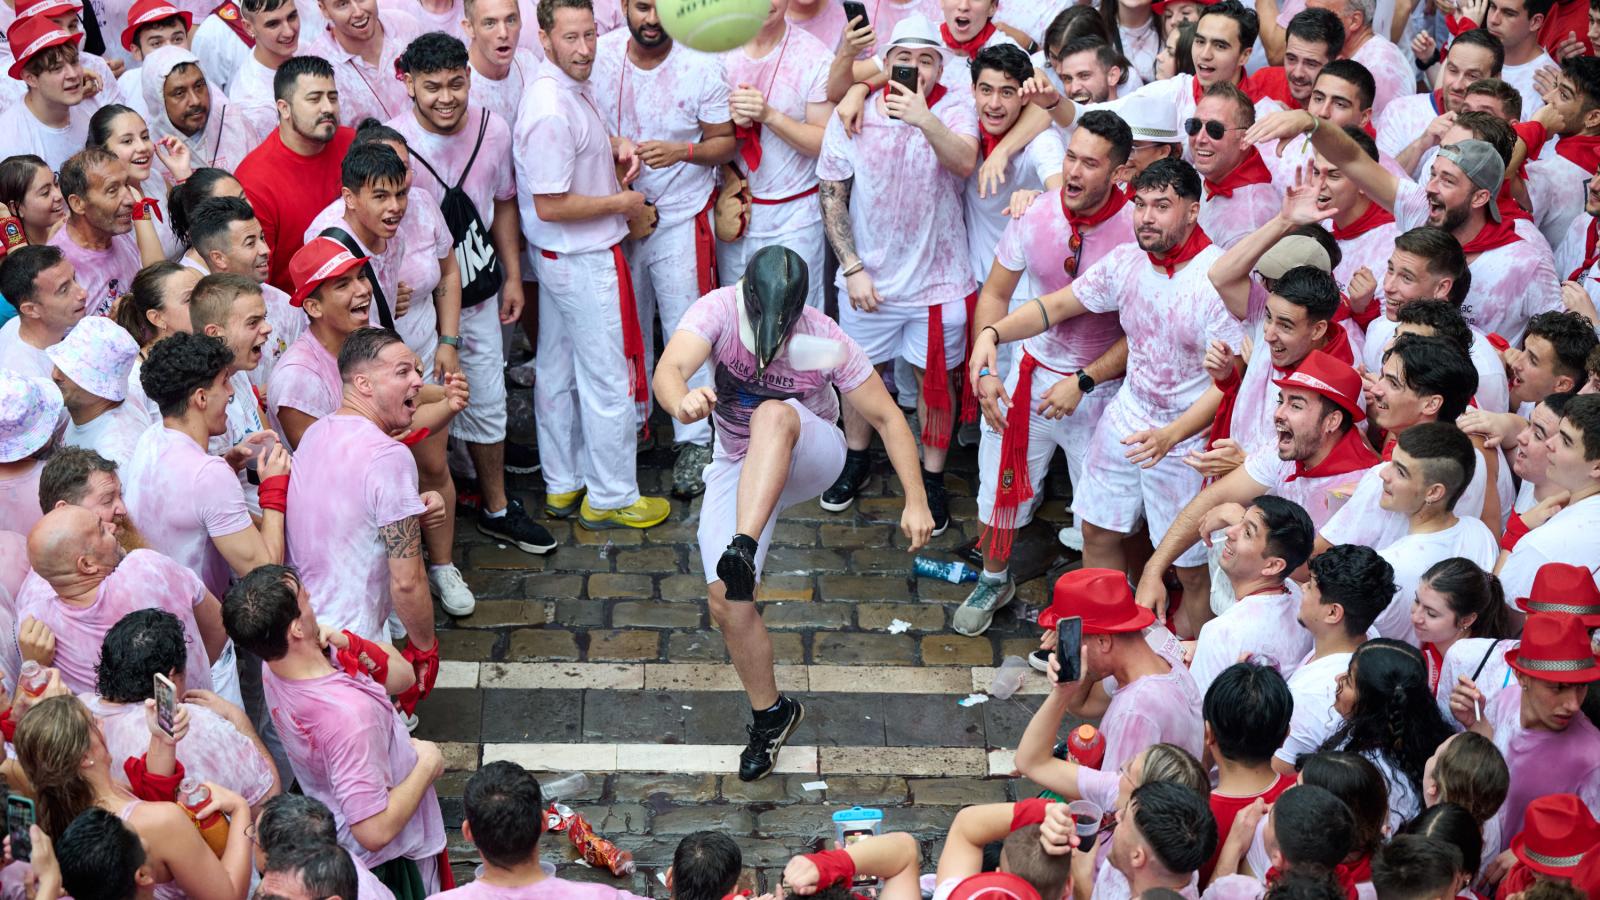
[{"x": 1086, "y": 819}]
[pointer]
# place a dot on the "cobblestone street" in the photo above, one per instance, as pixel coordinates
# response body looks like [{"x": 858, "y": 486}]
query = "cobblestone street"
[{"x": 602, "y": 658}]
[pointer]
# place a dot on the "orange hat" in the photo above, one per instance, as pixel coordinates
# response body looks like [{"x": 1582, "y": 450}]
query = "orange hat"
[
  {"x": 1555, "y": 647},
  {"x": 1102, "y": 598},
  {"x": 1329, "y": 377},
  {"x": 319, "y": 260},
  {"x": 1564, "y": 588},
  {"x": 1557, "y": 831},
  {"x": 147, "y": 11},
  {"x": 31, "y": 36}
]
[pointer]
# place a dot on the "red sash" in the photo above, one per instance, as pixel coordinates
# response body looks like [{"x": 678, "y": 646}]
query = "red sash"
[{"x": 228, "y": 12}]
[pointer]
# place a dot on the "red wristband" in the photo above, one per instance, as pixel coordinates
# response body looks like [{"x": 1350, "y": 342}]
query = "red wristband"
[
  {"x": 274, "y": 493},
  {"x": 350, "y": 658},
  {"x": 833, "y": 866},
  {"x": 8, "y": 726},
  {"x": 690, "y": 156},
  {"x": 148, "y": 786},
  {"x": 1028, "y": 812},
  {"x": 414, "y": 438},
  {"x": 1516, "y": 530}
]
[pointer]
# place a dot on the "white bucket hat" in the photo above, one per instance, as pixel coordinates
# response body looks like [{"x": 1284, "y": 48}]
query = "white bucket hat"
[
  {"x": 97, "y": 354},
  {"x": 30, "y": 409}
]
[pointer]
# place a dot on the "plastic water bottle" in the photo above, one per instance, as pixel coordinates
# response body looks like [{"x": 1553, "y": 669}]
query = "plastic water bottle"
[
  {"x": 955, "y": 571},
  {"x": 564, "y": 788},
  {"x": 1008, "y": 678},
  {"x": 193, "y": 796}
]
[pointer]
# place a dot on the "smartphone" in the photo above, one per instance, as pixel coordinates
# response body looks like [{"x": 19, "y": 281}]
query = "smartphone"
[
  {"x": 1069, "y": 649},
  {"x": 854, "y": 11},
  {"x": 906, "y": 75},
  {"x": 19, "y": 817},
  {"x": 166, "y": 704},
  {"x": 851, "y": 836}
]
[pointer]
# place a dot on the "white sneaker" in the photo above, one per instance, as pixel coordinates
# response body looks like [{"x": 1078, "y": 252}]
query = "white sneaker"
[
  {"x": 452, "y": 590},
  {"x": 1071, "y": 537}
]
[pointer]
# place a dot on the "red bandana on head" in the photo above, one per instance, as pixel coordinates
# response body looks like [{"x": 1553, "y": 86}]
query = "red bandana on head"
[
  {"x": 1375, "y": 217},
  {"x": 1252, "y": 169},
  {"x": 1169, "y": 262},
  {"x": 969, "y": 49}
]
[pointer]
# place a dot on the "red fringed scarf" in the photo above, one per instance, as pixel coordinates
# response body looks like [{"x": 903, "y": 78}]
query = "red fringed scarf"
[{"x": 936, "y": 385}]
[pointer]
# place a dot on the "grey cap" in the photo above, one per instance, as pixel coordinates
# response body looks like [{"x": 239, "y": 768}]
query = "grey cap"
[
  {"x": 1483, "y": 167},
  {"x": 1291, "y": 251}
]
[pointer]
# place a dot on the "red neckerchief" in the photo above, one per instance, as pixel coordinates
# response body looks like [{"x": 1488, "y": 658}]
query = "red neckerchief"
[
  {"x": 1177, "y": 256},
  {"x": 1583, "y": 149},
  {"x": 1492, "y": 236},
  {"x": 1435, "y": 661},
  {"x": 969, "y": 49},
  {"x": 987, "y": 142},
  {"x": 1250, "y": 170},
  {"x": 1437, "y": 99},
  {"x": 933, "y": 98},
  {"x": 1253, "y": 87},
  {"x": 1351, "y": 454},
  {"x": 1273, "y": 82},
  {"x": 1351, "y": 874},
  {"x": 1458, "y": 25},
  {"x": 1590, "y": 255},
  {"x": 1509, "y": 208},
  {"x": 1114, "y": 202},
  {"x": 1375, "y": 217},
  {"x": 1338, "y": 345},
  {"x": 1519, "y": 879},
  {"x": 1388, "y": 448},
  {"x": 1533, "y": 135}
]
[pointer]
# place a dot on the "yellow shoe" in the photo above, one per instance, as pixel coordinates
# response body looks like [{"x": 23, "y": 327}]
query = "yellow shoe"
[
  {"x": 644, "y": 513},
  {"x": 560, "y": 506}
]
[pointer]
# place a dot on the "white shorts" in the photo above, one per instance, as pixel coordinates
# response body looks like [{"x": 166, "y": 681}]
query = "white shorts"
[
  {"x": 1071, "y": 433},
  {"x": 1116, "y": 493},
  {"x": 806, "y": 240},
  {"x": 483, "y": 361},
  {"x": 901, "y": 332},
  {"x": 815, "y": 464}
]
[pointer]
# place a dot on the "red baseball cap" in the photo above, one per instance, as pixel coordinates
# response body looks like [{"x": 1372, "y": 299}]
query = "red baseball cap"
[
  {"x": 1102, "y": 598},
  {"x": 1557, "y": 831},
  {"x": 1555, "y": 647},
  {"x": 994, "y": 886},
  {"x": 1327, "y": 376},
  {"x": 320, "y": 259},
  {"x": 1564, "y": 588},
  {"x": 33, "y": 35},
  {"x": 147, "y": 11}
]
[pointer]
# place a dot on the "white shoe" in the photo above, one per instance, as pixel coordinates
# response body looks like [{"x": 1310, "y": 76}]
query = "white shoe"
[
  {"x": 1071, "y": 537},
  {"x": 452, "y": 590}
]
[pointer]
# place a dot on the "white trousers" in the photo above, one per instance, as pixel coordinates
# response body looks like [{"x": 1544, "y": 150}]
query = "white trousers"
[
  {"x": 665, "y": 279},
  {"x": 806, "y": 240}
]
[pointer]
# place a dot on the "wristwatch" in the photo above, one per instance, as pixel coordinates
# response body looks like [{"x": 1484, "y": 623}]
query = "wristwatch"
[
  {"x": 454, "y": 340},
  {"x": 1085, "y": 383}
]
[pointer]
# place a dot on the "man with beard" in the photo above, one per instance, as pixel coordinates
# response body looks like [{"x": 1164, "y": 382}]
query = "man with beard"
[
  {"x": 357, "y": 530},
  {"x": 296, "y": 170},
  {"x": 182, "y": 106},
  {"x": 274, "y": 27},
  {"x": 1314, "y": 38},
  {"x": 91, "y": 369},
  {"x": 671, "y": 102},
  {"x": 41, "y": 284},
  {"x": 78, "y": 476},
  {"x": 1171, "y": 314},
  {"x": 109, "y": 234},
  {"x": 1551, "y": 359},
  {"x": 457, "y": 144},
  {"x": 1091, "y": 70},
  {"x": 187, "y": 502},
  {"x": 1239, "y": 194},
  {"x": 777, "y": 445},
  {"x": 1067, "y": 375},
  {"x": 1413, "y": 123},
  {"x": 225, "y": 237},
  {"x": 779, "y": 104},
  {"x": 83, "y": 583},
  {"x": 575, "y": 210},
  {"x": 363, "y": 42},
  {"x": 51, "y": 120},
  {"x": 502, "y": 68},
  {"x": 1319, "y": 456},
  {"x": 1512, "y": 278}
]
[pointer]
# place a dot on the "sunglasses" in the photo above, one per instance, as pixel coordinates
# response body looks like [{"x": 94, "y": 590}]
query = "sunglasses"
[
  {"x": 1070, "y": 264},
  {"x": 1214, "y": 128}
]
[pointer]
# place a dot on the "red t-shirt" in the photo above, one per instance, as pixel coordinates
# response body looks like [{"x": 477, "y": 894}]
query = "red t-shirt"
[
  {"x": 1566, "y": 17},
  {"x": 287, "y": 191},
  {"x": 1225, "y": 808}
]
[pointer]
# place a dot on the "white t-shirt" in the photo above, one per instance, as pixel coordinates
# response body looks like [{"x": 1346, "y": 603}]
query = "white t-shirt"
[
  {"x": 251, "y": 95},
  {"x": 792, "y": 75},
  {"x": 1259, "y": 623},
  {"x": 221, "y": 52},
  {"x": 1556, "y": 189},
  {"x": 112, "y": 434},
  {"x": 1570, "y": 536},
  {"x": 1313, "y": 686},
  {"x": 1320, "y": 497},
  {"x": 1392, "y": 73},
  {"x": 986, "y": 216},
  {"x": 17, "y": 355},
  {"x": 1521, "y": 77},
  {"x": 502, "y": 96},
  {"x": 1406, "y": 118},
  {"x": 1415, "y": 554},
  {"x": 21, "y": 132},
  {"x": 1227, "y": 220},
  {"x": 182, "y": 497}
]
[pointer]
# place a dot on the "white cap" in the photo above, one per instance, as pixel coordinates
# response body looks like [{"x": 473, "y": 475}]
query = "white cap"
[{"x": 1150, "y": 120}]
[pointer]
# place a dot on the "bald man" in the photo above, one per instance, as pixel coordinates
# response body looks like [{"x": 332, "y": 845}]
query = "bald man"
[{"x": 83, "y": 583}]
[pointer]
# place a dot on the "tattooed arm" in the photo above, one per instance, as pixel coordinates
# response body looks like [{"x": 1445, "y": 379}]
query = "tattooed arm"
[
  {"x": 408, "y": 579},
  {"x": 836, "y": 224}
]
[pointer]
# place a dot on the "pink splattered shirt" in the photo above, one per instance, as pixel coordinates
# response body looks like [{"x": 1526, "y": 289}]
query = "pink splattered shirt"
[
  {"x": 212, "y": 751},
  {"x": 182, "y": 497},
  {"x": 791, "y": 75},
  {"x": 366, "y": 90},
  {"x": 104, "y": 274}
]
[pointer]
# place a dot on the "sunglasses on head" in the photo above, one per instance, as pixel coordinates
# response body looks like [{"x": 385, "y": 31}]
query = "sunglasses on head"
[{"x": 1214, "y": 128}]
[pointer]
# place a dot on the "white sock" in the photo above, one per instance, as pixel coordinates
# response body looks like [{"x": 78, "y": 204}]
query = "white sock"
[
  {"x": 995, "y": 577},
  {"x": 496, "y": 515}
]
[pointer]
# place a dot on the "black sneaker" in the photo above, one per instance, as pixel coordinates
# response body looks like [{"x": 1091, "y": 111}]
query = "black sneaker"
[
  {"x": 737, "y": 569},
  {"x": 758, "y": 759},
  {"x": 521, "y": 459},
  {"x": 938, "y": 504},
  {"x": 516, "y": 528},
  {"x": 851, "y": 480}
]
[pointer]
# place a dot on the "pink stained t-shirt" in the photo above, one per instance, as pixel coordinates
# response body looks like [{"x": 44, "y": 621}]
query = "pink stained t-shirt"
[
  {"x": 143, "y": 580},
  {"x": 827, "y": 26},
  {"x": 13, "y": 572},
  {"x": 560, "y": 145},
  {"x": 1391, "y": 71},
  {"x": 905, "y": 208},
  {"x": 182, "y": 497},
  {"x": 791, "y": 75},
  {"x": 1228, "y": 219},
  {"x": 348, "y": 749},
  {"x": 1405, "y": 118},
  {"x": 666, "y": 103},
  {"x": 350, "y": 479},
  {"x": 502, "y": 96},
  {"x": 491, "y": 178},
  {"x": 1037, "y": 244},
  {"x": 19, "y": 499},
  {"x": 1153, "y": 709},
  {"x": 1541, "y": 762},
  {"x": 1319, "y": 497},
  {"x": 547, "y": 889},
  {"x": 366, "y": 90},
  {"x": 213, "y": 750},
  {"x": 715, "y": 317},
  {"x": 104, "y": 274},
  {"x": 307, "y": 380}
]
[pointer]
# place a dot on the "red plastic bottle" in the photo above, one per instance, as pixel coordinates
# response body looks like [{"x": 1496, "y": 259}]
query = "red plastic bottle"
[
  {"x": 193, "y": 796},
  {"x": 33, "y": 678},
  {"x": 1087, "y": 746}
]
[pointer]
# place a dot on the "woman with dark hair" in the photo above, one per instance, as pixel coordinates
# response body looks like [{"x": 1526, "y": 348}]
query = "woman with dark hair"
[
  {"x": 30, "y": 192},
  {"x": 1390, "y": 717},
  {"x": 124, "y": 133},
  {"x": 1361, "y": 787},
  {"x": 1456, "y": 599},
  {"x": 204, "y": 184},
  {"x": 1177, "y": 52},
  {"x": 1455, "y": 826},
  {"x": 156, "y": 307},
  {"x": 1133, "y": 29}
]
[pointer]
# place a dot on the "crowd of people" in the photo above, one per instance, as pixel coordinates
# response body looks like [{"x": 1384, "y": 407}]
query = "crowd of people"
[{"x": 1304, "y": 293}]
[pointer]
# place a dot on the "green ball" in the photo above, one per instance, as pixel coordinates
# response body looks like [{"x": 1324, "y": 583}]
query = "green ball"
[{"x": 712, "y": 26}]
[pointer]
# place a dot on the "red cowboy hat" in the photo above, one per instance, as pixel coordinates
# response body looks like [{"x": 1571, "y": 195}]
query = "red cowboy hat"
[
  {"x": 147, "y": 11},
  {"x": 1555, "y": 647},
  {"x": 1564, "y": 588},
  {"x": 1101, "y": 597},
  {"x": 1557, "y": 831}
]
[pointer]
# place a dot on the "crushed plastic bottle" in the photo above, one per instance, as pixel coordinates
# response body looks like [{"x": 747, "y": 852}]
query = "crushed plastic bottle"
[{"x": 1008, "y": 678}]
